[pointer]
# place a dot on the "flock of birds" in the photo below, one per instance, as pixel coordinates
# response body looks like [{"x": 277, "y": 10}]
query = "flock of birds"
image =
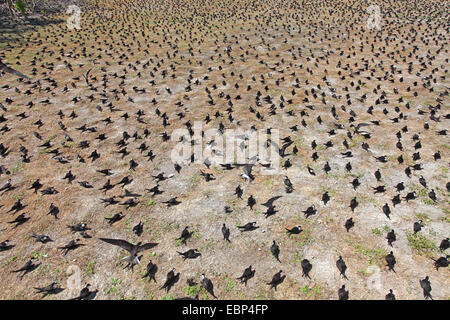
[{"x": 92, "y": 112}]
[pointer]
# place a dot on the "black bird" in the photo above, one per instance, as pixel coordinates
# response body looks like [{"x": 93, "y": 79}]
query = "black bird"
[
  {"x": 391, "y": 237},
  {"x": 432, "y": 195},
  {"x": 396, "y": 200},
  {"x": 155, "y": 190},
  {"x": 353, "y": 204},
  {"x": 72, "y": 245},
  {"x": 288, "y": 184},
  {"x": 445, "y": 244},
  {"x": 190, "y": 254},
  {"x": 171, "y": 279},
  {"x": 5, "y": 69},
  {"x": 185, "y": 234},
  {"x": 379, "y": 189},
  {"x": 85, "y": 184},
  {"x": 355, "y": 183},
  {"x": 53, "y": 210},
  {"x": 79, "y": 227},
  {"x": 19, "y": 220},
  {"x": 386, "y": 210},
  {"x": 325, "y": 198},
  {"x": 310, "y": 211},
  {"x": 69, "y": 176},
  {"x": 5, "y": 245},
  {"x": 342, "y": 293},
  {"x": 378, "y": 174},
  {"x": 226, "y": 233},
  {"x": 238, "y": 192},
  {"x": 52, "y": 288},
  {"x": 151, "y": 271},
  {"x": 106, "y": 172},
  {"x": 248, "y": 227},
  {"x": 27, "y": 268},
  {"x": 306, "y": 268},
  {"x": 442, "y": 262},
  {"x": 276, "y": 280},
  {"x": 251, "y": 202},
  {"x": 426, "y": 286},
  {"x": 172, "y": 202},
  {"x": 208, "y": 285},
  {"x": 115, "y": 218},
  {"x": 390, "y": 259},
  {"x": 400, "y": 187},
  {"x": 294, "y": 230},
  {"x": 390, "y": 295},
  {"x": 7, "y": 186},
  {"x": 410, "y": 196},
  {"x": 422, "y": 181},
  {"x": 107, "y": 186},
  {"x": 138, "y": 229},
  {"x": 340, "y": 263},
  {"x": 275, "y": 249},
  {"x": 349, "y": 224},
  {"x": 247, "y": 275},
  {"x": 36, "y": 186},
  {"x": 86, "y": 294},
  {"x": 133, "y": 249},
  {"x": 417, "y": 226},
  {"x": 269, "y": 203}
]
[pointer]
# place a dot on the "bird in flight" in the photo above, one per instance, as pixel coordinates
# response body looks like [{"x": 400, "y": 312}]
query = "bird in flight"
[
  {"x": 5, "y": 69},
  {"x": 133, "y": 250}
]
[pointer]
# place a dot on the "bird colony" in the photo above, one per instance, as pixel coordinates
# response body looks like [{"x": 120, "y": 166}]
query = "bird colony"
[{"x": 93, "y": 207}]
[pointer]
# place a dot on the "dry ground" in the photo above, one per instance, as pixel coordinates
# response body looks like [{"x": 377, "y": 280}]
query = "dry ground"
[{"x": 281, "y": 40}]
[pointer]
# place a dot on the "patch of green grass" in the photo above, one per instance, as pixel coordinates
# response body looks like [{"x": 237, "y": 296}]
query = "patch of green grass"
[
  {"x": 373, "y": 255},
  {"x": 150, "y": 203},
  {"x": 90, "y": 268},
  {"x": 195, "y": 180},
  {"x": 10, "y": 260},
  {"x": 376, "y": 231},
  {"x": 168, "y": 297},
  {"x": 421, "y": 244},
  {"x": 18, "y": 196},
  {"x": 39, "y": 255},
  {"x": 196, "y": 234},
  {"x": 191, "y": 290},
  {"x": 114, "y": 289},
  {"x": 230, "y": 284},
  {"x": 313, "y": 292}
]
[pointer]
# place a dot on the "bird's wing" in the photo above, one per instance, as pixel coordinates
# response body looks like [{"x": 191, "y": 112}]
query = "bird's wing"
[
  {"x": 270, "y": 202},
  {"x": 5, "y": 68},
  {"x": 147, "y": 246},
  {"x": 119, "y": 242}
]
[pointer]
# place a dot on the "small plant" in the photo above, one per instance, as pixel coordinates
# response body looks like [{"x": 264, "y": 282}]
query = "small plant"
[
  {"x": 420, "y": 244},
  {"x": 90, "y": 268},
  {"x": 191, "y": 290},
  {"x": 114, "y": 289},
  {"x": 376, "y": 231},
  {"x": 150, "y": 202},
  {"x": 230, "y": 285}
]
